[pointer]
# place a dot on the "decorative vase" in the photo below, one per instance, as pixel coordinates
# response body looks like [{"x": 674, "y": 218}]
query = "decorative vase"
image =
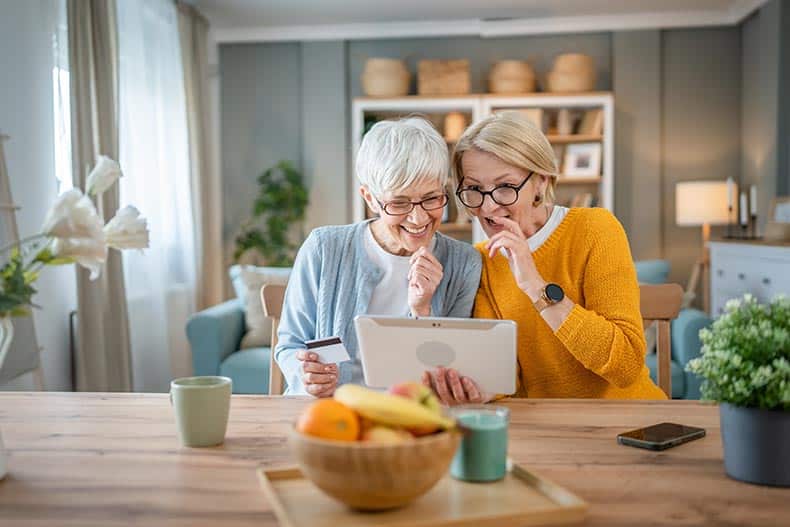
[
  {"x": 6, "y": 336},
  {"x": 756, "y": 444}
]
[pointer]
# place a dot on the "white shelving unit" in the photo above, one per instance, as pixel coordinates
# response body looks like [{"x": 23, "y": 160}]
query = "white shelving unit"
[{"x": 479, "y": 106}]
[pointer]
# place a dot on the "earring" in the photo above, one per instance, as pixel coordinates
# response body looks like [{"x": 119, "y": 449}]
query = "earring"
[{"x": 538, "y": 200}]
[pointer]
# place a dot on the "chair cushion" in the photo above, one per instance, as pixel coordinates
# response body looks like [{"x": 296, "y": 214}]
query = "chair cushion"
[
  {"x": 249, "y": 370},
  {"x": 247, "y": 281},
  {"x": 678, "y": 375},
  {"x": 652, "y": 271}
]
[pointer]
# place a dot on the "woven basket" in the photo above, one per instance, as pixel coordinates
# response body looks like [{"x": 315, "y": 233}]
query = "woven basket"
[
  {"x": 385, "y": 78},
  {"x": 511, "y": 76},
  {"x": 572, "y": 72}
]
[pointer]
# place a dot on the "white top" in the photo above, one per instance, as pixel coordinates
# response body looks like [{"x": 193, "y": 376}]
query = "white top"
[
  {"x": 537, "y": 239},
  {"x": 391, "y": 295}
]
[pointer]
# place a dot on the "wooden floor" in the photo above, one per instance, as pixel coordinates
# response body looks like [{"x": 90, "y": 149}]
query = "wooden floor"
[{"x": 106, "y": 459}]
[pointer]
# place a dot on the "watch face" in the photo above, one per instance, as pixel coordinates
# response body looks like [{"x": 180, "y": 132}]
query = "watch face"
[{"x": 554, "y": 292}]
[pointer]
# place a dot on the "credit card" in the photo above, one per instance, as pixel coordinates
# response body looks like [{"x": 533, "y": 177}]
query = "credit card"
[{"x": 329, "y": 350}]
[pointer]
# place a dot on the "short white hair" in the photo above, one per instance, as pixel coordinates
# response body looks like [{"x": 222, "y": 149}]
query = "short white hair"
[{"x": 395, "y": 155}]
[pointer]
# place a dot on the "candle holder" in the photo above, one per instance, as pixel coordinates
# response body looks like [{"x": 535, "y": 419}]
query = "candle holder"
[
  {"x": 729, "y": 223},
  {"x": 753, "y": 227}
]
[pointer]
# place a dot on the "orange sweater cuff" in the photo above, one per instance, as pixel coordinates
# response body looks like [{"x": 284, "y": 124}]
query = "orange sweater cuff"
[{"x": 570, "y": 328}]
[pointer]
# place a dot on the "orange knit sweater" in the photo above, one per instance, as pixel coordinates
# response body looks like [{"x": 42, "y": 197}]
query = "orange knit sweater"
[{"x": 599, "y": 351}]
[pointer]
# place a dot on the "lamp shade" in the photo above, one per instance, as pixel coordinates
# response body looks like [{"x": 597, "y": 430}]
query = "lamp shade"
[{"x": 700, "y": 202}]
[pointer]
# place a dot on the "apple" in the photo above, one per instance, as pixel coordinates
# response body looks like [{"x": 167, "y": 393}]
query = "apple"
[
  {"x": 384, "y": 435},
  {"x": 418, "y": 392}
]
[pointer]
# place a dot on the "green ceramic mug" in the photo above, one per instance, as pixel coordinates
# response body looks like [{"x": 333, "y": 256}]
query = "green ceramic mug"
[{"x": 201, "y": 405}]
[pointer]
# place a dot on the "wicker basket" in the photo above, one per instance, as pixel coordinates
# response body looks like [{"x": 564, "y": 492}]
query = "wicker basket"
[
  {"x": 572, "y": 72},
  {"x": 443, "y": 77},
  {"x": 511, "y": 76},
  {"x": 385, "y": 78}
]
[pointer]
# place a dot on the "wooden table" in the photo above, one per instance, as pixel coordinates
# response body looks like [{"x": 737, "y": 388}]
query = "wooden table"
[{"x": 114, "y": 459}]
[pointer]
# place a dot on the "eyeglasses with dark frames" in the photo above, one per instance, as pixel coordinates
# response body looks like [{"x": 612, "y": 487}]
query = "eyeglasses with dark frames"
[
  {"x": 505, "y": 194},
  {"x": 403, "y": 207}
]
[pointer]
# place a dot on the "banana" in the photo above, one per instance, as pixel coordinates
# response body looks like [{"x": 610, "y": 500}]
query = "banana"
[{"x": 392, "y": 410}]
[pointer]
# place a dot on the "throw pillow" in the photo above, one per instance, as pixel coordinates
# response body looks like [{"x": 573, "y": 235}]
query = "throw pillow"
[{"x": 247, "y": 281}]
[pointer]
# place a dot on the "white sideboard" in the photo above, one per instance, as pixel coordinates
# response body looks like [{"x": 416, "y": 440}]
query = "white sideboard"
[{"x": 743, "y": 267}]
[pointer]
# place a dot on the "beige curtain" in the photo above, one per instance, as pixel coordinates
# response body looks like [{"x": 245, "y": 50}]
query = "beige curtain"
[
  {"x": 206, "y": 192},
  {"x": 103, "y": 359}
]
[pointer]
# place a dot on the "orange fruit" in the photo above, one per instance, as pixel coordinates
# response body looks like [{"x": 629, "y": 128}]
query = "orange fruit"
[{"x": 329, "y": 419}]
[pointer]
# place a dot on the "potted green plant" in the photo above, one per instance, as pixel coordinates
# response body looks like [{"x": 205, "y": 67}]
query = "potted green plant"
[
  {"x": 745, "y": 364},
  {"x": 277, "y": 212}
]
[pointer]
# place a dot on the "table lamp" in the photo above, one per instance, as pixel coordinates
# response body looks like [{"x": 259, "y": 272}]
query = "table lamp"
[{"x": 701, "y": 203}]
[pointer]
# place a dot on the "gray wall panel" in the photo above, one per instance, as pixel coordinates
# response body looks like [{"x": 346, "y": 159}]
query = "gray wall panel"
[
  {"x": 261, "y": 123},
  {"x": 636, "y": 79},
  {"x": 760, "y": 104},
  {"x": 325, "y": 110},
  {"x": 701, "y": 100}
]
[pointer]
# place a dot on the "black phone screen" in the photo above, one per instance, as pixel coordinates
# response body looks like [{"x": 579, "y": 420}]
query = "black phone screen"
[{"x": 661, "y": 435}]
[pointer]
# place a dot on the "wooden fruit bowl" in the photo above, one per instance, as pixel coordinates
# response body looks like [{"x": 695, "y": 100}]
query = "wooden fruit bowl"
[{"x": 369, "y": 476}]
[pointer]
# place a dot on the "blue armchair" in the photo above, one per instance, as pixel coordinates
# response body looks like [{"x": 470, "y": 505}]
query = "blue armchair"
[
  {"x": 684, "y": 335},
  {"x": 215, "y": 335}
]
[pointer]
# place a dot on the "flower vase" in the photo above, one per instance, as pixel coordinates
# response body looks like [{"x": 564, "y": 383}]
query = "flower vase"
[{"x": 6, "y": 336}]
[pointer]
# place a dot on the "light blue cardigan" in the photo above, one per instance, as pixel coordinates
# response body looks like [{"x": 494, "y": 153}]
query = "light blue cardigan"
[{"x": 332, "y": 282}]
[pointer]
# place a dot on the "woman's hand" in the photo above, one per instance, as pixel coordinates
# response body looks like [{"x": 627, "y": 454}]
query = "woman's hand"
[
  {"x": 425, "y": 274},
  {"x": 519, "y": 256},
  {"x": 453, "y": 389},
  {"x": 319, "y": 379}
]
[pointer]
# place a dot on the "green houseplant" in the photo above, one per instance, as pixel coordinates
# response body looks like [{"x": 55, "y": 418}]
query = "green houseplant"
[
  {"x": 277, "y": 212},
  {"x": 745, "y": 366}
]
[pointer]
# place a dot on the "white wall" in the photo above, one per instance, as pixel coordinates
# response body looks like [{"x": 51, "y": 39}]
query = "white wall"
[{"x": 26, "y": 62}]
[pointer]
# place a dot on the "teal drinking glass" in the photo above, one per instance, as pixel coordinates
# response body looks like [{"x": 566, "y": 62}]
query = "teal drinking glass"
[{"x": 482, "y": 455}]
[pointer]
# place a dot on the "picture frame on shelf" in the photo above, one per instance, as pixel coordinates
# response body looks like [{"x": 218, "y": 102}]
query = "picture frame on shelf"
[
  {"x": 780, "y": 209},
  {"x": 777, "y": 228},
  {"x": 591, "y": 123},
  {"x": 582, "y": 160}
]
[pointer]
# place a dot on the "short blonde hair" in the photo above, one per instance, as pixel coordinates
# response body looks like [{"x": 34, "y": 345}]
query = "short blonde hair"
[
  {"x": 394, "y": 155},
  {"x": 515, "y": 140}
]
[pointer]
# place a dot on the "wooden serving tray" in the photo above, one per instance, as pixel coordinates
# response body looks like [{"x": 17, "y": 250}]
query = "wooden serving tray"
[{"x": 522, "y": 498}]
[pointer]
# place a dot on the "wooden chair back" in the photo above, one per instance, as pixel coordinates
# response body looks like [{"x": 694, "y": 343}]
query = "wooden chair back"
[
  {"x": 660, "y": 304},
  {"x": 272, "y": 299}
]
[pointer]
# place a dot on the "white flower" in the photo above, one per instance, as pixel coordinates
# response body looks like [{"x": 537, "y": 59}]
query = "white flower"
[
  {"x": 127, "y": 230},
  {"x": 90, "y": 253},
  {"x": 103, "y": 176},
  {"x": 73, "y": 216}
]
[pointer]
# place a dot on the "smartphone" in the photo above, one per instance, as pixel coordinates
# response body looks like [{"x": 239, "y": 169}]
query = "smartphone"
[{"x": 660, "y": 436}]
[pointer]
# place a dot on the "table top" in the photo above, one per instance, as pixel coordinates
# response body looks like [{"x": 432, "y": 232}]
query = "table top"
[{"x": 114, "y": 459}]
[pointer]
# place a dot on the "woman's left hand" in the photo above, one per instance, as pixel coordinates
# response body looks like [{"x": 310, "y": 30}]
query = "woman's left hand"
[
  {"x": 451, "y": 388},
  {"x": 425, "y": 274},
  {"x": 518, "y": 253}
]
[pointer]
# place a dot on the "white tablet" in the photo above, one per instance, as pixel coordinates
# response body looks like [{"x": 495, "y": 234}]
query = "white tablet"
[{"x": 398, "y": 349}]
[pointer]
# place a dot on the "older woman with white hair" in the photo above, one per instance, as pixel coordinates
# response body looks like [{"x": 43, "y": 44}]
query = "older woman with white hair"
[{"x": 395, "y": 264}]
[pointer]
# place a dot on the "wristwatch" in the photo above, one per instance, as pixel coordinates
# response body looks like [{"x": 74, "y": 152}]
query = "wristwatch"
[{"x": 550, "y": 295}]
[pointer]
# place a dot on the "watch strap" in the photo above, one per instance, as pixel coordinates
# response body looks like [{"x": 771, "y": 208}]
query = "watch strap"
[{"x": 542, "y": 302}]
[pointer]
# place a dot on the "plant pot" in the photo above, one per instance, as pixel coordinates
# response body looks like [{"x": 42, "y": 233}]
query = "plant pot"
[{"x": 756, "y": 444}]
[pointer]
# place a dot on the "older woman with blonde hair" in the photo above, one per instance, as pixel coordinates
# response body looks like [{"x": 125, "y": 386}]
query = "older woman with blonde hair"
[
  {"x": 565, "y": 276},
  {"x": 394, "y": 264}
]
